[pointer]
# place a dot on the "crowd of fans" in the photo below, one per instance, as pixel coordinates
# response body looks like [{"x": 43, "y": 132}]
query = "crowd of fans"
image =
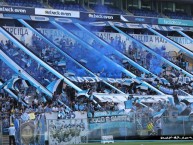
[
  {"x": 68, "y": 100},
  {"x": 144, "y": 110},
  {"x": 148, "y": 61},
  {"x": 152, "y": 63},
  {"x": 69, "y": 68}
]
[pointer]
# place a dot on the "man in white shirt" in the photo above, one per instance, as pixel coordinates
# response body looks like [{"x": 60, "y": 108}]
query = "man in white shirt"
[{"x": 12, "y": 134}]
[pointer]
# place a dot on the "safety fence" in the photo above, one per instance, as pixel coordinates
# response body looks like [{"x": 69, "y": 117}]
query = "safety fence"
[{"x": 87, "y": 130}]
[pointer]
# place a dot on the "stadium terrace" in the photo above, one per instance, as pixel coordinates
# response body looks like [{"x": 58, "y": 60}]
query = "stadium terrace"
[{"x": 92, "y": 72}]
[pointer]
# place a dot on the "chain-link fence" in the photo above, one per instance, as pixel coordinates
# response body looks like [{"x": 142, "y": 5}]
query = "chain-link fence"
[
  {"x": 87, "y": 130},
  {"x": 31, "y": 132},
  {"x": 120, "y": 127}
]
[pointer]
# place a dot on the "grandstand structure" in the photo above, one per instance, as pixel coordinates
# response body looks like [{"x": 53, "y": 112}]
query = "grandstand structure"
[{"x": 79, "y": 71}]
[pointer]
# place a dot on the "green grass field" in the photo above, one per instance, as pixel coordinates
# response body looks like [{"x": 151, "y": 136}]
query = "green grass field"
[{"x": 149, "y": 143}]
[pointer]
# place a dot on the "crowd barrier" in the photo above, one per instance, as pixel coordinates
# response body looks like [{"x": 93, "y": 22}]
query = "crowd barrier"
[{"x": 81, "y": 129}]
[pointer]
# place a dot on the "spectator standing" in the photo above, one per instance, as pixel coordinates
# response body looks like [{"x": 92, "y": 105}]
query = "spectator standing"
[{"x": 12, "y": 134}]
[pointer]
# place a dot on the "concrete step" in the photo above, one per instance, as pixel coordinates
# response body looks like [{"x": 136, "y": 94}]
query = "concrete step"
[{"x": 5, "y": 140}]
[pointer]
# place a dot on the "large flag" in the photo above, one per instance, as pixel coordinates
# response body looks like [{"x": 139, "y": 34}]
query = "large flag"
[
  {"x": 56, "y": 86},
  {"x": 128, "y": 104},
  {"x": 25, "y": 117},
  {"x": 14, "y": 82},
  {"x": 17, "y": 133},
  {"x": 181, "y": 107},
  {"x": 128, "y": 82},
  {"x": 159, "y": 114},
  {"x": 171, "y": 100},
  {"x": 12, "y": 93},
  {"x": 11, "y": 85},
  {"x": 42, "y": 129}
]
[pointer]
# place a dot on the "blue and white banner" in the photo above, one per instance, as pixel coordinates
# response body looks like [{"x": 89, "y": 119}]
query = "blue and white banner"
[
  {"x": 108, "y": 125},
  {"x": 17, "y": 132},
  {"x": 111, "y": 125},
  {"x": 68, "y": 131},
  {"x": 159, "y": 114},
  {"x": 11, "y": 84},
  {"x": 56, "y": 35},
  {"x": 153, "y": 41},
  {"x": 72, "y": 115},
  {"x": 56, "y": 86},
  {"x": 41, "y": 129},
  {"x": 138, "y": 19},
  {"x": 178, "y": 22},
  {"x": 109, "y": 114}
]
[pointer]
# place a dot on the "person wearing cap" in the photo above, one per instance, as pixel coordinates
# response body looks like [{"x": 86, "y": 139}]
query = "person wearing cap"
[{"x": 12, "y": 134}]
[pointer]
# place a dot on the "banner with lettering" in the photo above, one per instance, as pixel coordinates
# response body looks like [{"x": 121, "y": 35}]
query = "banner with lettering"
[
  {"x": 178, "y": 22},
  {"x": 152, "y": 41},
  {"x": 65, "y": 132},
  {"x": 17, "y": 10},
  {"x": 57, "y": 13},
  {"x": 118, "y": 126},
  {"x": 97, "y": 16},
  {"x": 71, "y": 115},
  {"x": 138, "y": 19}
]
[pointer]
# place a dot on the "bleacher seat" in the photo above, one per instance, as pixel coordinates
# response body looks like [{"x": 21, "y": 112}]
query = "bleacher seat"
[
  {"x": 66, "y": 6},
  {"x": 143, "y": 12},
  {"x": 106, "y": 9},
  {"x": 24, "y": 3},
  {"x": 177, "y": 15}
]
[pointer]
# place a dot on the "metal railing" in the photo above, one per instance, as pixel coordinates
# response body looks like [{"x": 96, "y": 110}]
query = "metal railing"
[{"x": 87, "y": 130}]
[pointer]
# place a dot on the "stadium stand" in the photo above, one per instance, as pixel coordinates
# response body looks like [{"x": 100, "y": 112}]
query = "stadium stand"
[
  {"x": 106, "y": 9},
  {"x": 177, "y": 15},
  {"x": 106, "y": 81},
  {"x": 30, "y": 3},
  {"x": 66, "y": 6},
  {"x": 143, "y": 12}
]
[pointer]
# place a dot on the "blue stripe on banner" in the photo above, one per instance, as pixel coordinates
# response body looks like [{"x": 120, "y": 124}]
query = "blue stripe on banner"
[
  {"x": 42, "y": 129},
  {"x": 159, "y": 114},
  {"x": 51, "y": 86},
  {"x": 17, "y": 133}
]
